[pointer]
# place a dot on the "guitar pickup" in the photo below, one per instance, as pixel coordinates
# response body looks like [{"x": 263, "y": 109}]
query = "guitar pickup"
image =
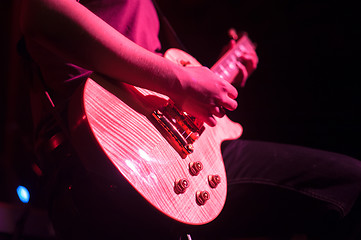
[{"x": 181, "y": 130}]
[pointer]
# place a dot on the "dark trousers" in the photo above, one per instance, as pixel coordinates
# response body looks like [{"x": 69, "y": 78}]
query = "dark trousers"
[
  {"x": 278, "y": 190},
  {"x": 274, "y": 190}
]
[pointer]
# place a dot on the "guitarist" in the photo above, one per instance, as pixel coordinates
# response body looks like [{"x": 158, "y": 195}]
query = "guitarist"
[{"x": 274, "y": 189}]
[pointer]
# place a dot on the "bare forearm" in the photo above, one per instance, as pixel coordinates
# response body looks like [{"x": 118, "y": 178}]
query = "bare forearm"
[
  {"x": 76, "y": 34},
  {"x": 79, "y": 36}
]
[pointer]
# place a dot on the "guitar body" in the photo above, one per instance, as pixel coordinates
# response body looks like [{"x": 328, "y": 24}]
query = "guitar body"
[{"x": 114, "y": 132}]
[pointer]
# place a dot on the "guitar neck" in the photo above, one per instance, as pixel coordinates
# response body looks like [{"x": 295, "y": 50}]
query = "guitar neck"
[{"x": 226, "y": 67}]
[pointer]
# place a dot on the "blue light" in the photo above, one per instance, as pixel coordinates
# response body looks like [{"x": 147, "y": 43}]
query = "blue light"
[{"x": 23, "y": 194}]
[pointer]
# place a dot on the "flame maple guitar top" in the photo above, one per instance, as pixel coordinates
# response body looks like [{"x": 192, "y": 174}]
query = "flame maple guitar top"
[{"x": 120, "y": 123}]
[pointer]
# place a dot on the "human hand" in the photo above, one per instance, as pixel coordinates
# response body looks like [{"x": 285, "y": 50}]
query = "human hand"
[
  {"x": 247, "y": 61},
  {"x": 204, "y": 95}
]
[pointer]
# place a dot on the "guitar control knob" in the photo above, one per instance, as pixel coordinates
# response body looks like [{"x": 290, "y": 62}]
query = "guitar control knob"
[
  {"x": 214, "y": 180},
  {"x": 202, "y": 197},
  {"x": 181, "y": 185},
  {"x": 195, "y": 168}
]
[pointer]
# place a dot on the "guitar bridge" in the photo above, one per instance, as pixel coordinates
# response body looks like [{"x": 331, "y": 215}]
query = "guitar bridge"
[{"x": 180, "y": 129}]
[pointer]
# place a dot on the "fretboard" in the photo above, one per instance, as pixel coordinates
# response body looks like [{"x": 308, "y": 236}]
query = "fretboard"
[{"x": 226, "y": 67}]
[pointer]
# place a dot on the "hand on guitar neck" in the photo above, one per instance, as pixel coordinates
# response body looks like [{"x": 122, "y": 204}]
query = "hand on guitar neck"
[{"x": 247, "y": 61}]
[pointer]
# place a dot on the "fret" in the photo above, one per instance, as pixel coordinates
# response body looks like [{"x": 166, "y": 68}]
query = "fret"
[
  {"x": 238, "y": 53},
  {"x": 232, "y": 65},
  {"x": 219, "y": 74},
  {"x": 224, "y": 70},
  {"x": 227, "y": 67}
]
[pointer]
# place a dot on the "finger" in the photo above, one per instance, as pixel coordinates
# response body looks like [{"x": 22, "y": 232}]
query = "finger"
[
  {"x": 229, "y": 104},
  {"x": 218, "y": 111},
  {"x": 232, "y": 92},
  {"x": 243, "y": 74},
  {"x": 203, "y": 114},
  {"x": 250, "y": 61},
  {"x": 211, "y": 121}
]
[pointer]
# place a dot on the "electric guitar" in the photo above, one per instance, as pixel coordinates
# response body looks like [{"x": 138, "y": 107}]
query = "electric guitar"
[{"x": 168, "y": 156}]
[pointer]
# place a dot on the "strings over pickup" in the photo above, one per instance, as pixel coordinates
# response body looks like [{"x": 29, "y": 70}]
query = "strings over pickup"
[{"x": 180, "y": 129}]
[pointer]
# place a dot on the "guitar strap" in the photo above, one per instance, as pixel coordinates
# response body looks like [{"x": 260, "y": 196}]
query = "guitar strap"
[
  {"x": 53, "y": 152},
  {"x": 37, "y": 85},
  {"x": 167, "y": 35}
]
